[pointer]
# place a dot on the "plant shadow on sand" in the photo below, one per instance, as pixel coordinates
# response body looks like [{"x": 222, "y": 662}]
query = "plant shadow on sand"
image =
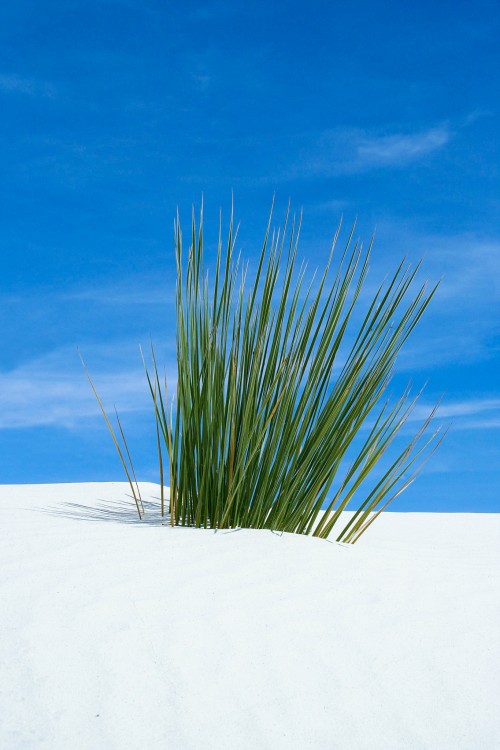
[
  {"x": 110, "y": 511},
  {"x": 124, "y": 512},
  {"x": 121, "y": 512}
]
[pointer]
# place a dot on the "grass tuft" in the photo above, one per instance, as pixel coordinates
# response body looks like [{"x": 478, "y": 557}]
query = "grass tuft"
[{"x": 277, "y": 415}]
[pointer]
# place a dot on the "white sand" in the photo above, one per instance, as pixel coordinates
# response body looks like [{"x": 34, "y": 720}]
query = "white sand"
[{"x": 116, "y": 634}]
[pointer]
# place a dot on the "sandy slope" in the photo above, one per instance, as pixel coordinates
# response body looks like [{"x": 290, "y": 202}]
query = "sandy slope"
[{"x": 122, "y": 635}]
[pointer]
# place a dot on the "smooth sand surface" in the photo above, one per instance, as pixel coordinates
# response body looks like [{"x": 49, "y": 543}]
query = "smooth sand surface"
[{"x": 117, "y": 634}]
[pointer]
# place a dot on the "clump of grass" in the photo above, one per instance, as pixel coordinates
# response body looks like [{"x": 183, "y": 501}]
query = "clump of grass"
[{"x": 264, "y": 417}]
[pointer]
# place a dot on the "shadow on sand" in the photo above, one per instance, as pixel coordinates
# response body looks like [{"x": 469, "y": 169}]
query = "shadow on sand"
[
  {"x": 111, "y": 511},
  {"x": 125, "y": 512}
]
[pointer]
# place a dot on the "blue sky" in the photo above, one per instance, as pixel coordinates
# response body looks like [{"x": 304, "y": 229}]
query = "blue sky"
[{"x": 116, "y": 112}]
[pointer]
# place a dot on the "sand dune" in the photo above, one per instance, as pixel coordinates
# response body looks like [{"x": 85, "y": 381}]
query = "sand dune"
[{"x": 118, "y": 634}]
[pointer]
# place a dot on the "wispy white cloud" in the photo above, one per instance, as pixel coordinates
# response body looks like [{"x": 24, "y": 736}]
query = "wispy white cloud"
[
  {"x": 53, "y": 389},
  {"x": 138, "y": 289},
  {"x": 458, "y": 411},
  {"x": 469, "y": 266},
  {"x": 491, "y": 423},
  {"x": 399, "y": 149},
  {"x": 461, "y": 323},
  {"x": 127, "y": 291},
  {"x": 352, "y": 150},
  {"x": 464, "y": 414}
]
